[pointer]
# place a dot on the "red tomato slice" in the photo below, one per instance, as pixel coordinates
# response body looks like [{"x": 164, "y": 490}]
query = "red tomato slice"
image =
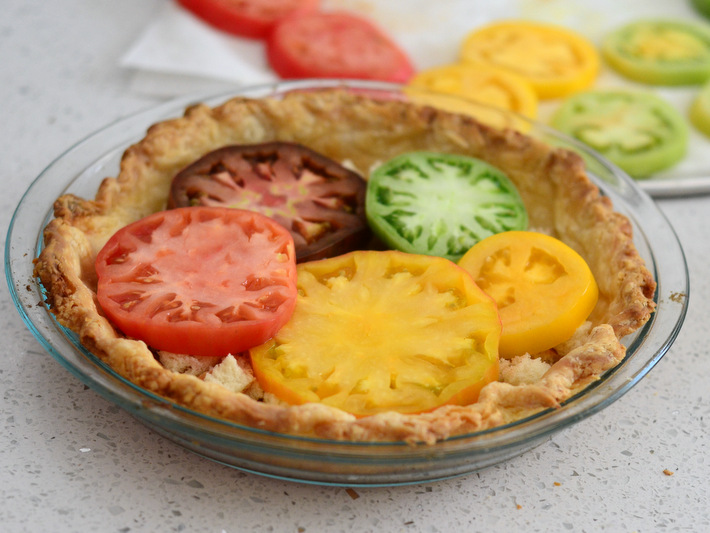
[
  {"x": 247, "y": 18},
  {"x": 204, "y": 281},
  {"x": 335, "y": 45}
]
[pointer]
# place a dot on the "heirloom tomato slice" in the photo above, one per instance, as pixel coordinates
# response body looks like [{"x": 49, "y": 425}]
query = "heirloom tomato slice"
[
  {"x": 321, "y": 202},
  {"x": 336, "y": 44},
  {"x": 483, "y": 84},
  {"x": 543, "y": 288},
  {"x": 556, "y": 61},
  {"x": 440, "y": 204},
  {"x": 203, "y": 281},
  {"x": 377, "y": 331},
  {"x": 660, "y": 52},
  {"x": 247, "y": 18},
  {"x": 638, "y": 131}
]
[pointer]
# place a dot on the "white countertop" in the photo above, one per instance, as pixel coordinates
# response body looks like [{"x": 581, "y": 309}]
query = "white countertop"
[{"x": 71, "y": 461}]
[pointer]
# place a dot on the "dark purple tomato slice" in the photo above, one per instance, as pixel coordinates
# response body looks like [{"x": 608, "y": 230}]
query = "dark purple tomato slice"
[{"x": 319, "y": 201}]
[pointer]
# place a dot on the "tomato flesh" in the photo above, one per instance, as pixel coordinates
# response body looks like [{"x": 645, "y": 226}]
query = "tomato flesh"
[
  {"x": 440, "y": 204},
  {"x": 543, "y": 288},
  {"x": 335, "y": 44},
  {"x": 247, "y": 18},
  {"x": 318, "y": 200},
  {"x": 202, "y": 281},
  {"x": 383, "y": 331}
]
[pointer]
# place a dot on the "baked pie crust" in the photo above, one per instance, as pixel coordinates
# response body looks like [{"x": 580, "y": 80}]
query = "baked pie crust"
[{"x": 345, "y": 126}]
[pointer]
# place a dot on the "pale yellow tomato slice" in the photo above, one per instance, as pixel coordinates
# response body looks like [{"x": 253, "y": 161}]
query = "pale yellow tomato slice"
[
  {"x": 478, "y": 84},
  {"x": 543, "y": 288},
  {"x": 377, "y": 331},
  {"x": 556, "y": 61}
]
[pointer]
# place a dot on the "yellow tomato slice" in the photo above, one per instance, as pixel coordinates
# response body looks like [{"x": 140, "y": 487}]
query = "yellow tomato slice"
[
  {"x": 478, "y": 84},
  {"x": 556, "y": 61},
  {"x": 383, "y": 331},
  {"x": 543, "y": 288}
]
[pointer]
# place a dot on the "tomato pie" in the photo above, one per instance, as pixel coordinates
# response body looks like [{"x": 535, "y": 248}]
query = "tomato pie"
[{"x": 320, "y": 322}]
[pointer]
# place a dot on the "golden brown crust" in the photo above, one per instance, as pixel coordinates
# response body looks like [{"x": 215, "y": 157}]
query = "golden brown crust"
[{"x": 560, "y": 199}]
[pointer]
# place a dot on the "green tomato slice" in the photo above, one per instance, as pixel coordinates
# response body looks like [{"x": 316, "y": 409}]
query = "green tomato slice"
[
  {"x": 699, "y": 111},
  {"x": 660, "y": 52},
  {"x": 639, "y": 132},
  {"x": 441, "y": 204}
]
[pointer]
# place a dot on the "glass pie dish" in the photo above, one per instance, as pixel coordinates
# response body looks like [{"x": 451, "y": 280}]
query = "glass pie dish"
[{"x": 81, "y": 169}]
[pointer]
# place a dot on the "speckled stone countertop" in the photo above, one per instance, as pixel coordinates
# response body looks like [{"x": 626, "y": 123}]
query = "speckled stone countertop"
[{"x": 71, "y": 461}]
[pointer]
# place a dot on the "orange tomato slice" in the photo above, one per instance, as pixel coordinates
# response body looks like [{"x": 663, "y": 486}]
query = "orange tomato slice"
[
  {"x": 383, "y": 331},
  {"x": 460, "y": 88},
  {"x": 556, "y": 61},
  {"x": 543, "y": 288}
]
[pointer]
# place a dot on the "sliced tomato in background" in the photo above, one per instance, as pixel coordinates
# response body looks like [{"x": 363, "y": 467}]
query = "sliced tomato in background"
[
  {"x": 660, "y": 52},
  {"x": 319, "y": 201},
  {"x": 335, "y": 44},
  {"x": 204, "y": 281},
  {"x": 555, "y": 60},
  {"x": 247, "y": 18}
]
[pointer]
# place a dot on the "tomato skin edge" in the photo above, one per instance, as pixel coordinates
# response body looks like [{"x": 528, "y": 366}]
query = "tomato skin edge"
[
  {"x": 510, "y": 343},
  {"x": 182, "y": 338},
  {"x": 699, "y": 110},
  {"x": 470, "y": 395}
]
